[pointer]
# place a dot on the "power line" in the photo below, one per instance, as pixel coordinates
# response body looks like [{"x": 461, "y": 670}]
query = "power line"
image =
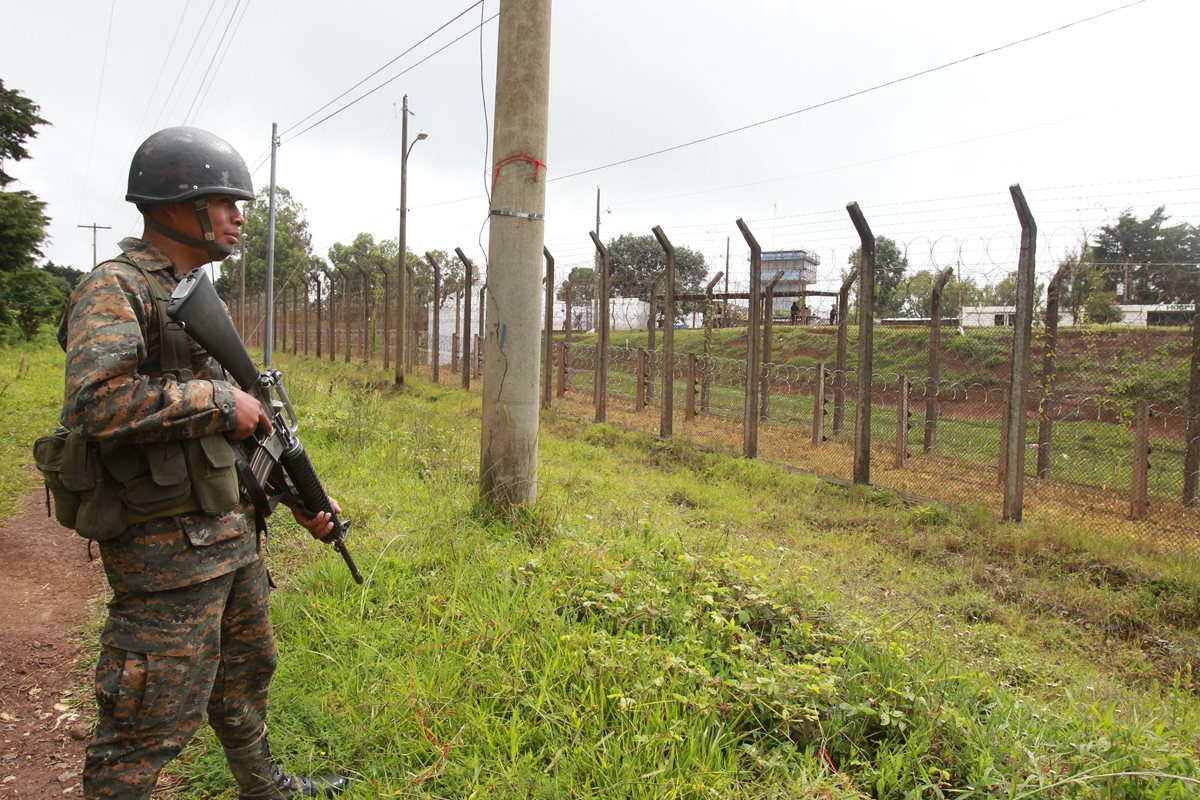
[
  {"x": 849, "y": 96},
  {"x": 381, "y": 69},
  {"x": 183, "y": 65},
  {"x": 362, "y": 97},
  {"x": 163, "y": 68},
  {"x": 202, "y": 89}
]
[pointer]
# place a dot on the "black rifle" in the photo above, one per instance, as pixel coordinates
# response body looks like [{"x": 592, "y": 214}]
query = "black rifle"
[{"x": 278, "y": 458}]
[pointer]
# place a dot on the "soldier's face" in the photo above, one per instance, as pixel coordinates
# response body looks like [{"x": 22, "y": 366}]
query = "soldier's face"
[{"x": 226, "y": 216}]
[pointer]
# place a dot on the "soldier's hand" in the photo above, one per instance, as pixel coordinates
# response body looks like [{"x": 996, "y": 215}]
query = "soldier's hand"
[
  {"x": 249, "y": 413},
  {"x": 320, "y": 525}
]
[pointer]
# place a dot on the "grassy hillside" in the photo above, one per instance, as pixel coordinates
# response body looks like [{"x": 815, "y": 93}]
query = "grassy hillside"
[
  {"x": 1122, "y": 362},
  {"x": 670, "y": 623}
]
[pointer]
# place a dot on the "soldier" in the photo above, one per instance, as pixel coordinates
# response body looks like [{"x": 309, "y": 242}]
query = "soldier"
[{"x": 188, "y": 631}]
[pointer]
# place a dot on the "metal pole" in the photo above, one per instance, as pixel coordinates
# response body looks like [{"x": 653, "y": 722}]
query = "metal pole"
[
  {"x": 548, "y": 332},
  {"x": 1046, "y": 412},
  {"x": 347, "y": 303},
  {"x": 242, "y": 289},
  {"x": 435, "y": 341},
  {"x": 839, "y": 366},
  {"x": 1014, "y": 479},
  {"x": 866, "y": 335},
  {"x": 269, "y": 329},
  {"x": 1191, "y": 458},
  {"x": 668, "y": 370},
  {"x": 750, "y": 415},
  {"x": 466, "y": 318},
  {"x": 935, "y": 360},
  {"x": 509, "y": 435},
  {"x": 601, "y": 377}
]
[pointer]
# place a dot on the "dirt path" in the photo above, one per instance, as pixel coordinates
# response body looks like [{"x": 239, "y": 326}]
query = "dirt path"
[{"x": 47, "y": 588}]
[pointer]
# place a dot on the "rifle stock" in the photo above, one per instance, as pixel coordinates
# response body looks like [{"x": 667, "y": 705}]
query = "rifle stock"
[{"x": 196, "y": 307}]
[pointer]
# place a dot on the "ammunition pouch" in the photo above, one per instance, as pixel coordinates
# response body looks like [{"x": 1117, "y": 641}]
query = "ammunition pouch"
[
  {"x": 100, "y": 489},
  {"x": 82, "y": 490}
]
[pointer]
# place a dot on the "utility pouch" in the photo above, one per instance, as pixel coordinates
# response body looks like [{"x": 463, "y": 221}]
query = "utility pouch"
[
  {"x": 85, "y": 497},
  {"x": 153, "y": 477},
  {"x": 212, "y": 466}
]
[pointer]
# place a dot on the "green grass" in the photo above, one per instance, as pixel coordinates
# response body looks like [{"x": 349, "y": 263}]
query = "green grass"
[
  {"x": 31, "y": 390},
  {"x": 666, "y": 622}
]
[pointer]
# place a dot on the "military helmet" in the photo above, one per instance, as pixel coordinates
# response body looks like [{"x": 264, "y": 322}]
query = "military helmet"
[{"x": 177, "y": 164}]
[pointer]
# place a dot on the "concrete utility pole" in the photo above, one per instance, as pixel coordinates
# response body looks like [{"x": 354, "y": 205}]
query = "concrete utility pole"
[
  {"x": 508, "y": 448},
  {"x": 269, "y": 329},
  {"x": 402, "y": 283},
  {"x": 95, "y": 228}
]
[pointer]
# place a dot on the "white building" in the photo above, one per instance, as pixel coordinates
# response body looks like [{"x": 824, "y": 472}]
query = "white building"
[{"x": 1133, "y": 315}]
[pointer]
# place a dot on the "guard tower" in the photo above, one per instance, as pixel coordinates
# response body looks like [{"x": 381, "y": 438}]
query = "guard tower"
[{"x": 799, "y": 270}]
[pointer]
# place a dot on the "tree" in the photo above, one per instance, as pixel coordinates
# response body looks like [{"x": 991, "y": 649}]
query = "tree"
[
  {"x": 293, "y": 245},
  {"x": 1101, "y": 307},
  {"x": 580, "y": 280},
  {"x": 918, "y": 301},
  {"x": 18, "y": 122},
  {"x": 22, "y": 230},
  {"x": 71, "y": 275},
  {"x": 30, "y": 298},
  {"x": 22, "y": 215},
  {"x": 1147, "y": 260},
  {"x": 637, "y": 261},
  {"x": 890, "y": 266}
]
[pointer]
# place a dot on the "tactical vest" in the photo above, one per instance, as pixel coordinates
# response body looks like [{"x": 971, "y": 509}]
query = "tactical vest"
[{"x": 101, "y": 488}]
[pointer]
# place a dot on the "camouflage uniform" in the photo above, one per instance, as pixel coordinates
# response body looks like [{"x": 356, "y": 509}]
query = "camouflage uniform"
[{"x": 187, "y": 630}]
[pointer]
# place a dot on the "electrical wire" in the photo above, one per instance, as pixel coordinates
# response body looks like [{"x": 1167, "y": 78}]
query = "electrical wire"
[
  {"x": 203, "y": 95},
  {"x": 400, "y": 74},
  {"x": 87, "y": 176},
  {"x": 166, "y": 59},
  {"x": 381, "y": 69},
  {"x": 183, "y": 67},
  {"x": 859, "y": 93}
]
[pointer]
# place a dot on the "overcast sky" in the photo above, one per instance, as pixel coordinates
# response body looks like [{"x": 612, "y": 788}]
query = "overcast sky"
[{"x": 1091, "y": 118}]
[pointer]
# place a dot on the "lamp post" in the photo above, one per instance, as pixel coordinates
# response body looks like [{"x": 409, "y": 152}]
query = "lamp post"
[{"x": 403, "y": 286}]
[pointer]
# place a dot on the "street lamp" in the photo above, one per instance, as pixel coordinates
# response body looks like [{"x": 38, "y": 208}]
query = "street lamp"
[{"x": 403, "y": 285}]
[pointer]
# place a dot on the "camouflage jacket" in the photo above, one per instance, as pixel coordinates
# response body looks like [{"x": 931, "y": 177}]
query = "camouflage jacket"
[{"x": 115, "y": 390}]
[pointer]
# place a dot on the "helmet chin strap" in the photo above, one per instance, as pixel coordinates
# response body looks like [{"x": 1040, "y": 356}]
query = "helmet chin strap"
[{"x": 216, "y": 250}]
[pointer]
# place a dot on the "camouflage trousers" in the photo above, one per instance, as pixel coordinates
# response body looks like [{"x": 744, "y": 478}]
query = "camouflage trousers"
[{"x": 166, "y": 659}]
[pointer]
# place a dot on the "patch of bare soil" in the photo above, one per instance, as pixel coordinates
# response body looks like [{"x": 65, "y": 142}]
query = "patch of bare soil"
[{"x": 47, "y": 589}]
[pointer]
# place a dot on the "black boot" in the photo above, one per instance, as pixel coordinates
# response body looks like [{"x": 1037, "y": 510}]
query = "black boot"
[{"x": 260, "y": 778}]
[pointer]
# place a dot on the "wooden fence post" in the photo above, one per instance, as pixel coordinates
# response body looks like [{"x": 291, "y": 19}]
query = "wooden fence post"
[
  {"x": 605, "y": 325},
  {"x": 866, "y": 352},
  {"x": 1191, "y": 458},
  {"x": 563, "y": 350},
  {"x": 753, "y": 355},
  {"x": 818, "y": 426},
  {"x": 935, "y": 360},
  {"x": 667, "y": 398},
  {"x": 548, "y": 333},
  {"x": 689, "y": 402},
  {"x": 468, "y": 269},
  {"x": 1014, "y": 474},
  {"x": 839, "y": 377},
  {"x": 639, "y": 400},
  {"x": 1004, "y": 422},
  {"x": 903, "y": 418},
  {"x": 1046, "y": 407},
  {"x": 1139, "y": 500},
  {"x": 706, "y": 368},
  {"x": 768, "y": 326}
]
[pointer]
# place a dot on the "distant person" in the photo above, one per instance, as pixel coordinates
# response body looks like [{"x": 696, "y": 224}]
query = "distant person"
[
  {"x": 833, "y": 315},
  {"x": 795, "y": 312},
  {"x": 188, "y": 633}
]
